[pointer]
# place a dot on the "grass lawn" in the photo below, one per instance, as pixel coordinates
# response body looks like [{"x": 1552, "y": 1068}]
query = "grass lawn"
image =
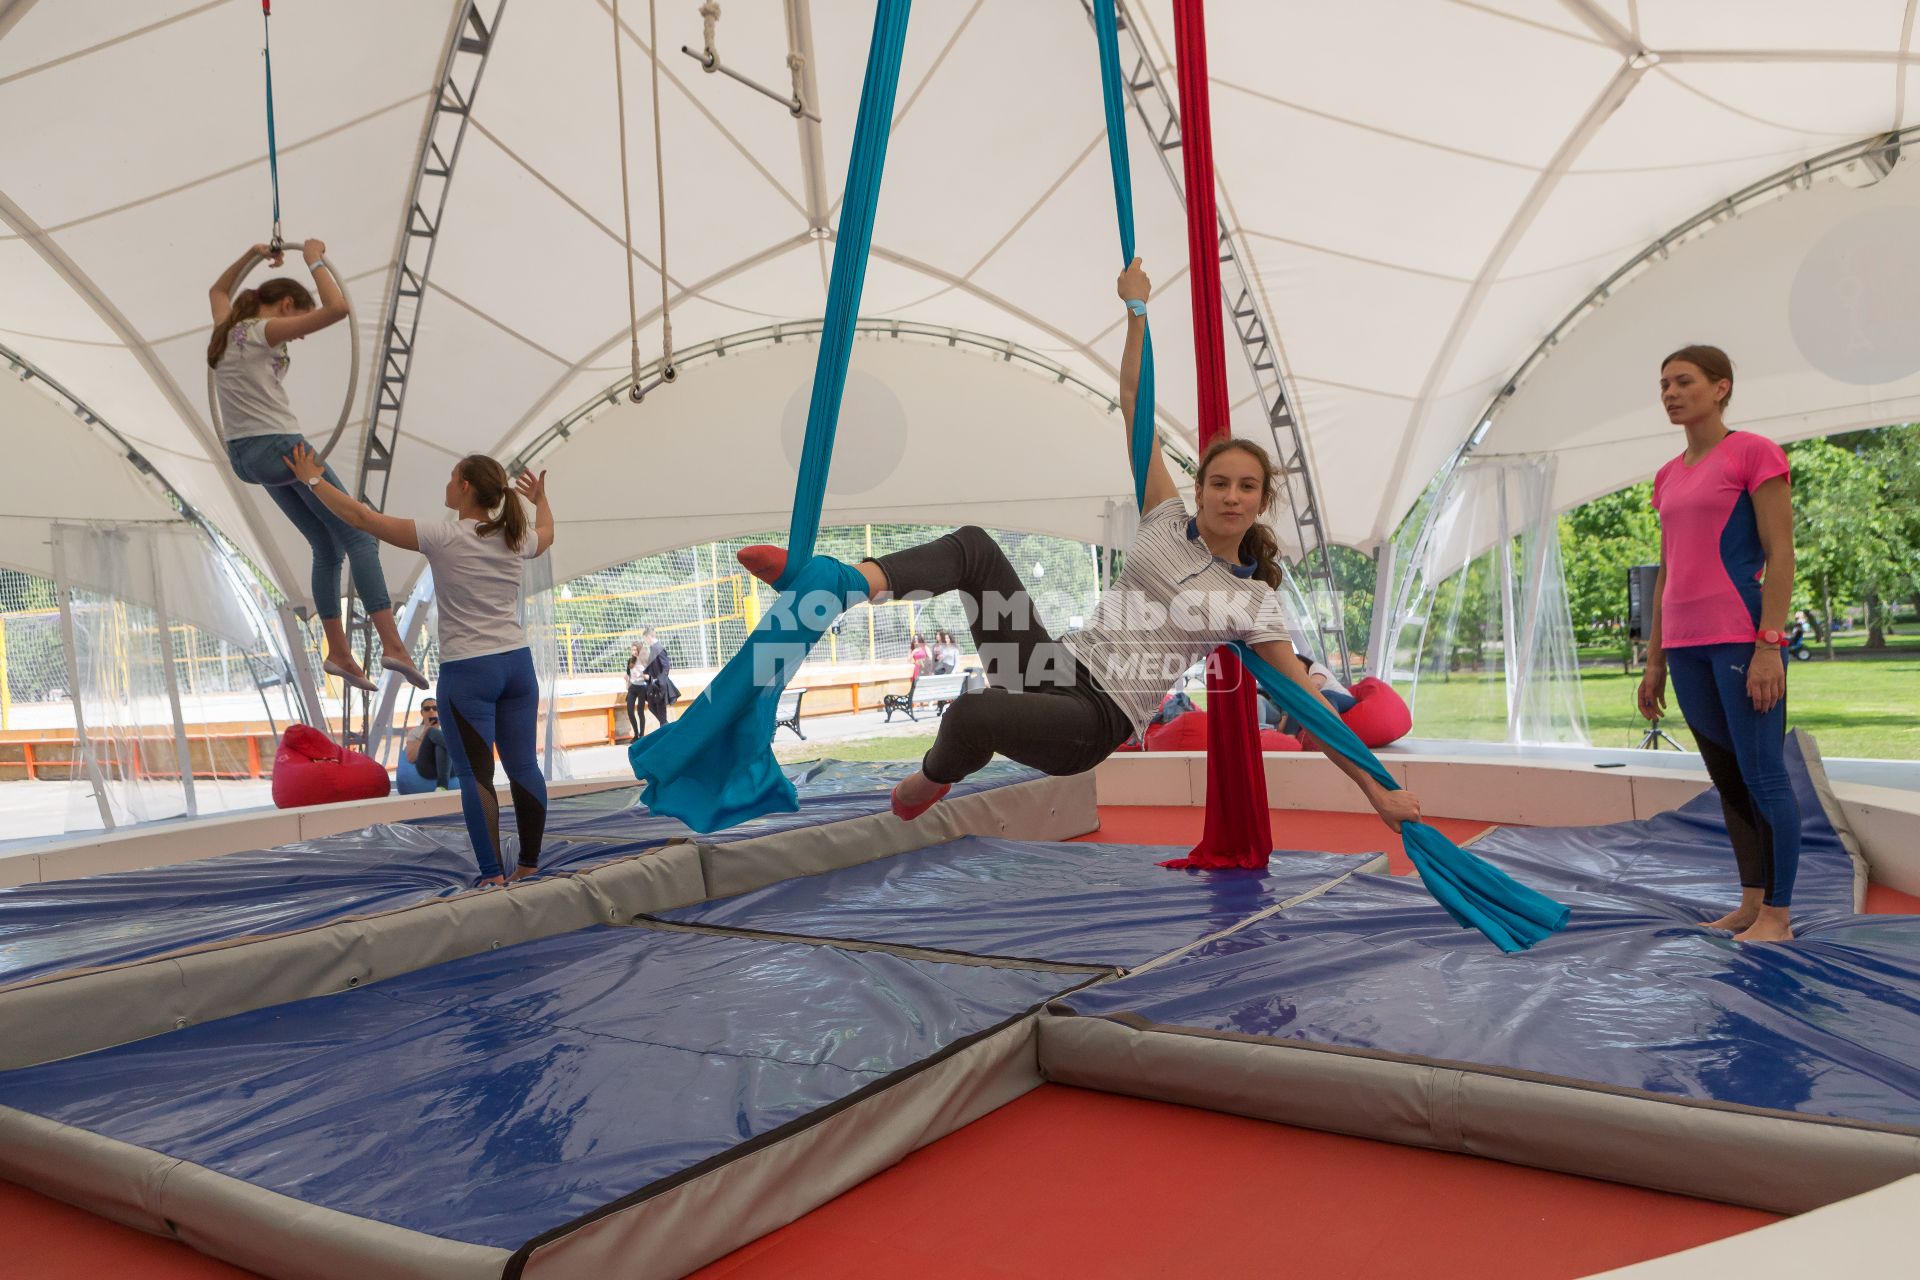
[
  {"x": 910, "y": 747},
  {"x": 1855, "y": 706}
]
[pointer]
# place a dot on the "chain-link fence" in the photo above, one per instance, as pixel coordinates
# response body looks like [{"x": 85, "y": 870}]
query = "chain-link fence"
[
  {"x": 702, "y": 604},
  {"x": 33, "y": 669}
]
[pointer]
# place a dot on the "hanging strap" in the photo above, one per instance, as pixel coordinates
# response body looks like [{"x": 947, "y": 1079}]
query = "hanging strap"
[
  {"x": 714, "y": 766},
  {"x": 660, "y": 187},
  {"x": 626, "y": 200},
  {"x": 273, "y": 149},
  {"x": 1113, "y": 97}
]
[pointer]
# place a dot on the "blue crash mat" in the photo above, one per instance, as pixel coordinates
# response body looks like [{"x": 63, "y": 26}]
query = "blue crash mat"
[
  {"x": 1094, "y": 904},
  {"x": 495, "y": 1098},
  {"x": 829, "y": 791},
  {"x": 1679, "y": 862},
  {"x": 1625, "y": 997},
  {"x": 134, "y": 915}
]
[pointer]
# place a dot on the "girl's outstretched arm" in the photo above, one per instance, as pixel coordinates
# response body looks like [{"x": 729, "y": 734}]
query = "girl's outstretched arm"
[
  {"x": 1394, "y": 807},
  {"x": 307, "y": 468}
]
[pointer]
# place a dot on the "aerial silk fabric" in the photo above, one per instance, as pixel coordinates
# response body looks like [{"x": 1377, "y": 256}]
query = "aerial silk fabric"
[
  {"x": 1237, "y": 829},
  {"x": 714, "y": 766},
  {"x": 1477, "y": 894}
]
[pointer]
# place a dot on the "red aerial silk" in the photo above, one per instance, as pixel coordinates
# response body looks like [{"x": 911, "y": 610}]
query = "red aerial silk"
[{"x": 1238, "y": 832}]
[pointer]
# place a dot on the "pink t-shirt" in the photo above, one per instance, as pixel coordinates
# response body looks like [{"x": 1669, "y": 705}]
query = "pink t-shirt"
[{"x": 1710, "y": 541}]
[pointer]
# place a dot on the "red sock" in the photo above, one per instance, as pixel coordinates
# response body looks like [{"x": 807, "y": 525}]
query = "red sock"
[{"x": 762, "y": 561}]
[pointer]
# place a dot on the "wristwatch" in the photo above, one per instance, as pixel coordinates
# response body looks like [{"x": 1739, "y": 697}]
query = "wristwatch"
[
  {"x": 313, "y": 482},
  {"x": 1767, "y": 635}
]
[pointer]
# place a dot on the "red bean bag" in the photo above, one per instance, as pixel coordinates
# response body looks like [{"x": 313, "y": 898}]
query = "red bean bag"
[
  {"x": 1185, "y": 732},
  {"x": 1274, "y": 740},
  {"x": 1379, "y": 715},
  {"x": 311, "y": 768}
]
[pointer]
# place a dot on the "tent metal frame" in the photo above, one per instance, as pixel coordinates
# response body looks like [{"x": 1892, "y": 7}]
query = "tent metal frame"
[{"x": 471, "y": 43}]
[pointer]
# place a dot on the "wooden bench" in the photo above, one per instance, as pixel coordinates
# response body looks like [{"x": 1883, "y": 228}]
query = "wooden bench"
[
  {"x": 786, "y": 713},
  {"x": 938, "y": 690}
]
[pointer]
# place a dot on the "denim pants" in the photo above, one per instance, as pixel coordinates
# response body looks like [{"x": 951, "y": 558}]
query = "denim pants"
[{"x": 260, "y": 460}]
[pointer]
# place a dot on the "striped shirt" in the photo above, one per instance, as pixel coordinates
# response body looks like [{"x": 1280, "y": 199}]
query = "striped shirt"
[{"x": 1174, "y": 603}]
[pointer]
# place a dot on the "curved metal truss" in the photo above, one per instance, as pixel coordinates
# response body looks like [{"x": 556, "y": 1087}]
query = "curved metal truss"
[
  {"x": 459, "y": 84},
  {"x": 1865, "y": 161},
  {"x": 1011, "y": 352}
]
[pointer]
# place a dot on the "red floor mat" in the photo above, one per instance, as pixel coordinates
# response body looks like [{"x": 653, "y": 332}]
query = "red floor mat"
[{"x": 1067, "y": 1183}]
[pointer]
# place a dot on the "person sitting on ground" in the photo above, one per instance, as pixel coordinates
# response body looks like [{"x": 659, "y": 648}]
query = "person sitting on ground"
[
  {"x": 1191, "y": 583},
  {"x": 427, "y": 747}
]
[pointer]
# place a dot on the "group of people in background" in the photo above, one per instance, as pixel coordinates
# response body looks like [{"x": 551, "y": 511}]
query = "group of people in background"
[{"x": 938, "y": 657}]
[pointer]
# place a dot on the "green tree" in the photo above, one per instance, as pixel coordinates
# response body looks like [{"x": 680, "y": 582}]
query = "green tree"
[
  {"x": 1599, "y": 542},
  {"x": 1846, "y": 541}
]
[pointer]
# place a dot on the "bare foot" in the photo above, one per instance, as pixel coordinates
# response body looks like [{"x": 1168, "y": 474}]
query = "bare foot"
[
  {"x": 1737, "y": 919},
  {"x": 492, "y": 881},
  {"x": 522, "y": 871},
  {"x": 1773, "y": 925}
]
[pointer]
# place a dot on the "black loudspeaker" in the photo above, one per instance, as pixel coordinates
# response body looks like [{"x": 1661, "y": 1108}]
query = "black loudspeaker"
[{"x": 1640, "y": 583}]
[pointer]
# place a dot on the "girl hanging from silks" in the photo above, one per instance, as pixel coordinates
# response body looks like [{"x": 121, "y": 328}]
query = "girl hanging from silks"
[
  {"x": 1191, "y": 583},
  {"x": 489, "y": 696},
  {"x": 249, "y": 358}
]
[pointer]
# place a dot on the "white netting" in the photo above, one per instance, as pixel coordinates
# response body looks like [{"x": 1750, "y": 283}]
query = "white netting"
[
  {"x": 174, "y": 673},
  {"x": 1480, "y": 641}
]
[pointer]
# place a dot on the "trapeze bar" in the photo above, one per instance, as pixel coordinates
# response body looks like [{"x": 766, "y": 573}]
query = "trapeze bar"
[{"x": 793, "y": 105}]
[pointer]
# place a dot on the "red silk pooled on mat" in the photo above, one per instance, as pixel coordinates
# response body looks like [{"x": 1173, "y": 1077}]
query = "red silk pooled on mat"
[{"x": 1238, "y": 832}]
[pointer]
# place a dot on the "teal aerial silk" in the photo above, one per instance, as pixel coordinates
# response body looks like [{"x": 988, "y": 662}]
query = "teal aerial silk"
[
  {"x": 1477, "y": 894},
  {"x": 714, "y": 766},
  {"x": 1106, "y": 32}
]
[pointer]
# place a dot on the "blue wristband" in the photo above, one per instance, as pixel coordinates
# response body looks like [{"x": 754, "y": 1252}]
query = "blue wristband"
[{"x": 1136, "y": 306}]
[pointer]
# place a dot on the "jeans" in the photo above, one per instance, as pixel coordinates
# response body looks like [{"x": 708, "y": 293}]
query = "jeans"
[
  {"x": 489, "y": 701},
  {"x": 1745, "y": 755},
  {"x": 259, "y": 460}
]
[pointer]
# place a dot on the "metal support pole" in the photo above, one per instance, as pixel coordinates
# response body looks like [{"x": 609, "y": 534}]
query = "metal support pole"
[
  {"x": 182, "y": 749},
  {"x": 88, "y": 758}
]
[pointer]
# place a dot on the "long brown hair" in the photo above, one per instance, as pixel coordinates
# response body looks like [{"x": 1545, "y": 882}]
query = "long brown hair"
[
  {"x": 1712, "y": 361},
  {"x": 490, "y": 490},
  {"x": 1258, "y": 543},
  {"x": 248, "y": 303}
]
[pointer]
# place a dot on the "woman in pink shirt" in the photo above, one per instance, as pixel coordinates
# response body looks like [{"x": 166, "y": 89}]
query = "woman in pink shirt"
[{"x": 1719, "y": 610}]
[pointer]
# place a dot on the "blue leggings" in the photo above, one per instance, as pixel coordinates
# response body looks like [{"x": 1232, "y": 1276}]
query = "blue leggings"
[
  {"x": 260, "y": 460},
  {"x": 488, "y": 701},
  {"x": 1745, "y": 754}
]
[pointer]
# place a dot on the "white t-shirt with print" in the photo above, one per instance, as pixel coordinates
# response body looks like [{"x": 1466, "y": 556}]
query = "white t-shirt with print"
[
  {"x": 476, "y": 586},
  {"x": 1173, "y": 604},
  {"x": 249, "y": 382}
]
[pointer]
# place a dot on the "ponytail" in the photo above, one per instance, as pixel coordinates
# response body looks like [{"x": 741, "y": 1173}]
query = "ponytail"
[
  {"x": 247, "y": 305},
  {"x": 491, "y": 489},
  {"x": 1260, "y": 546}
]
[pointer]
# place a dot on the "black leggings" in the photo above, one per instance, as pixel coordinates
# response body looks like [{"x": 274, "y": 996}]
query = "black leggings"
[
  {"x": 636, "y": 704},
  {"x": 1040, "y": 706}
]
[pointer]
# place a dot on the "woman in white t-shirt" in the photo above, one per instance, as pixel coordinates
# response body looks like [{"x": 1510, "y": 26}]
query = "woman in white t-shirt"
[
  {"x": 249, "y": 358},
  {"x": 1191, "y": 582},
  {"x": 489, "y": 696}
]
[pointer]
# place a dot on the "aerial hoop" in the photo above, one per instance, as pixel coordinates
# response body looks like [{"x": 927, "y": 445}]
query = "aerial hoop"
[{"x": 353, "y": 366}]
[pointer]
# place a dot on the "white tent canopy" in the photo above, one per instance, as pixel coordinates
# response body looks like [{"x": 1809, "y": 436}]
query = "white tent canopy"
[{"x": 1423, "y": 188}]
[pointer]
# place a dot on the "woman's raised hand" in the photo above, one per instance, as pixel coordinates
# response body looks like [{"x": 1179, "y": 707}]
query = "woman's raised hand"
[
  {"x": 315, "y": 250},
  {"x": 532, "y": 486},
  {"x": 273, "y": 256},
  {"x": 1134, "y": 285}
]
